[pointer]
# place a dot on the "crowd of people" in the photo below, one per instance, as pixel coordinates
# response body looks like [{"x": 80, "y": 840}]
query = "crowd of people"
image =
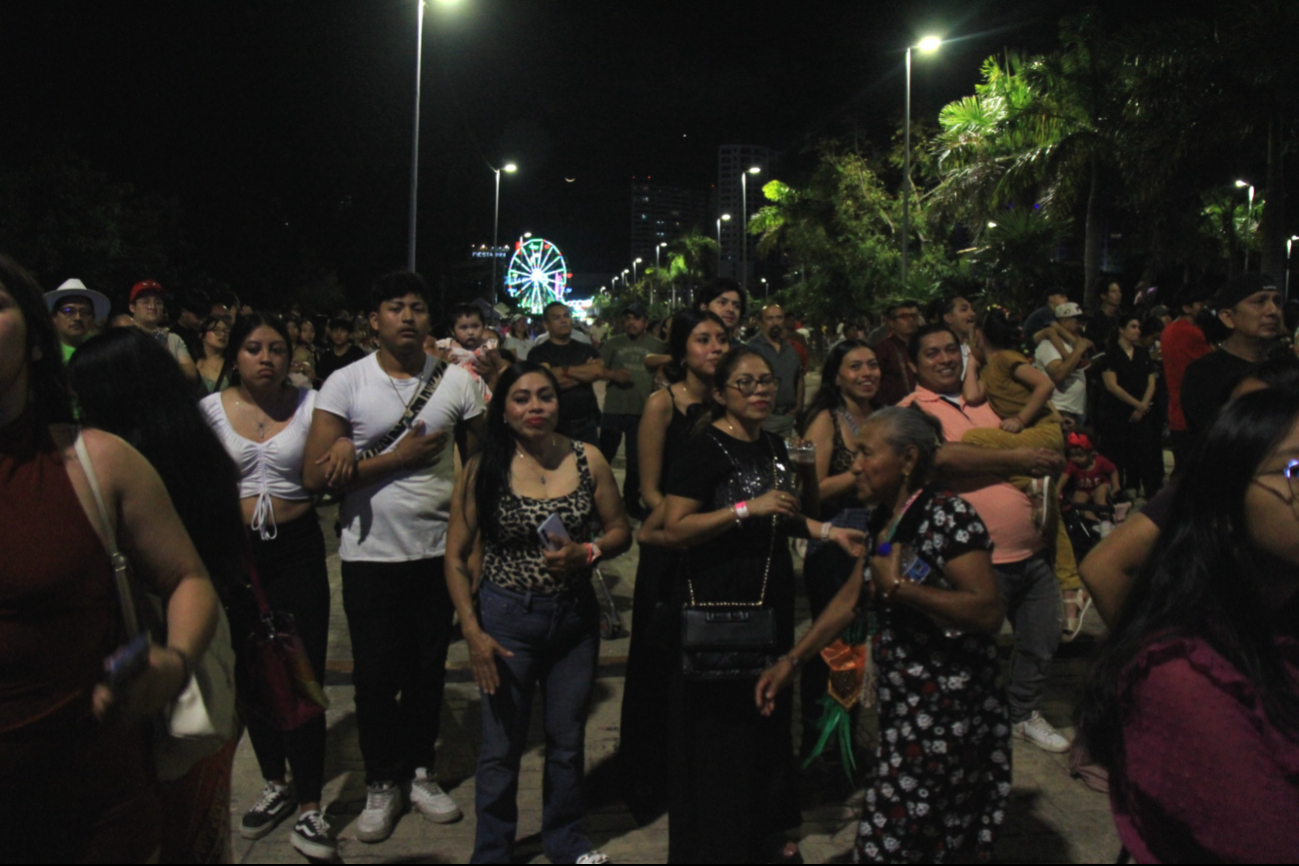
[{"x": 944, "y": 478}]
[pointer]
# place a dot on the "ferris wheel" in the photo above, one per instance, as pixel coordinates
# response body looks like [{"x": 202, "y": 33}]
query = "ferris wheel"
[{"x": 537, "y": 274}]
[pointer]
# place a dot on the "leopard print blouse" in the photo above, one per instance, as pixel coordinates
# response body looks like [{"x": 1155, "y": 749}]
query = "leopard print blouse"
[{"x": 515, "y": 560}]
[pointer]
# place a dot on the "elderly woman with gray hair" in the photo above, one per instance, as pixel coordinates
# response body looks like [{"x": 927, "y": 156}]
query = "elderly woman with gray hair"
[{"x": 943, "y": 770}]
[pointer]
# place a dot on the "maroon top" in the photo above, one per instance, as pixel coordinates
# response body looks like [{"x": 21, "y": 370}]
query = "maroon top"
[
  {"x": 1205, "y": 777},
  {"x": 86, "y": 790},
  {"x": 58, "y": 608}
]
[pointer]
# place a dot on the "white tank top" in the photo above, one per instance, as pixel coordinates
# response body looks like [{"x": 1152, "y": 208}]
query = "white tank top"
[{"x": 266, "y": 469}]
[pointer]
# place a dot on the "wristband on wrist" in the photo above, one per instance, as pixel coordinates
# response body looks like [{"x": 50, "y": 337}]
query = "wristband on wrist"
[
  {"x": 825, "y": 530},
  {"x": 793, "y": 662},
  {"x": 741, "y": 510},
  {"x": 593, "y": 553}
]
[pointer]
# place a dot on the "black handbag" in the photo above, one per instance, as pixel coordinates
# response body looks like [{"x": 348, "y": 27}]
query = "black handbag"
[{"x": 726, "y": 641}]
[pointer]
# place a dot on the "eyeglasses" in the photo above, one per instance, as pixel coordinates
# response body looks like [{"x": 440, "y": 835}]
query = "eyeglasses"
[
  {"x": 748, "y": 386},
  {"x": 76, "y": 312},
  {"x": 1291, "y": 474},
  {"x": 220, "y": 332}
]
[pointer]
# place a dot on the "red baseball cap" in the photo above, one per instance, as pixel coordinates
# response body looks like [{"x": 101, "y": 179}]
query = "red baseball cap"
[{"x": 144, "y": 287}]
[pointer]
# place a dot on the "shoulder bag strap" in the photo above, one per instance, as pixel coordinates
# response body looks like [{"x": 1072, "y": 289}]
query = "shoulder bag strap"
[
  {"x": 408, "y": 417},
  {"x": 121, "y": 567}
]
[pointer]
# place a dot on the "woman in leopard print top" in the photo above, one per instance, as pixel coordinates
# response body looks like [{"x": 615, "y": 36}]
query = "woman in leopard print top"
[{"x": 537, "y": 619}]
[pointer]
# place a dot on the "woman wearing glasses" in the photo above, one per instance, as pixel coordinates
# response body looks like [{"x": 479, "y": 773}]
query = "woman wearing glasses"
[
  {"x": 213, "y": 371},
  {"x": 731, "y": 503},
  {"x": 1192, "y": 704}
]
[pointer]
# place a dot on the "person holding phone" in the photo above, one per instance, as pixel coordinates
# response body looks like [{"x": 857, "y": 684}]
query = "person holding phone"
[
  {"x": 537, "y": 620},
  {"x": 73, "y": 751}
]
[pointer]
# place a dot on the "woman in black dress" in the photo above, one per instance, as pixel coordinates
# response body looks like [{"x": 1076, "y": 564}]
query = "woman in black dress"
[
  {"x": 699, "y": 341},
  {"x": 731, "y": 504},
  {"x": 943, "y": 770},
  {"x": 1129, "y": 435}
]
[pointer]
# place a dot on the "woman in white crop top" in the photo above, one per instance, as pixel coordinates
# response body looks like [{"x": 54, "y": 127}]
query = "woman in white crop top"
[{"x": 263, "y": 421}]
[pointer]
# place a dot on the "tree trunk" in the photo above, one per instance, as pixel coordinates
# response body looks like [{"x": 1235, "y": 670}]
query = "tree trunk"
[
  {"x": 1094, "y": 243},
  {"x": 1271, "y": 223}
]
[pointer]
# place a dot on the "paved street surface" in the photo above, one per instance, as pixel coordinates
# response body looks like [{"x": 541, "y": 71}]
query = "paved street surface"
[{"x": 1052, "y": 818}]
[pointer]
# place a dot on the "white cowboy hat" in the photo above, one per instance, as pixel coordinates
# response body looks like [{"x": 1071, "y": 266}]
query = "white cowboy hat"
[{"x": 77, "y": 289}]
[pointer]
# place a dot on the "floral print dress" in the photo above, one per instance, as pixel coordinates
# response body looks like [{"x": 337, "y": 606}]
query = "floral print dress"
[{"x": 942, "y": 776}]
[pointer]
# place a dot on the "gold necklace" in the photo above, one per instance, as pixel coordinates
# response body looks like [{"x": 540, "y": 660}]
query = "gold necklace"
[{"x": 401, "y": 399}]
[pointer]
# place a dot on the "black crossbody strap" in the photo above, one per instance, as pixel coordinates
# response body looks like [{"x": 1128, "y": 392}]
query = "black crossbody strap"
[{"x": 408, "y": 417}]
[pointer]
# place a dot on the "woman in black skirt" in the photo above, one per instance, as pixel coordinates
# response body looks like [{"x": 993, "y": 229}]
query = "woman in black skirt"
[
  {"x": 699, "y": 341},
  {"x": 731, "y": 504}
]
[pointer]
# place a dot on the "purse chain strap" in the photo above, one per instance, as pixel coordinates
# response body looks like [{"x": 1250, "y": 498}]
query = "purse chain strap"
[{"x": 771, "y": 549}]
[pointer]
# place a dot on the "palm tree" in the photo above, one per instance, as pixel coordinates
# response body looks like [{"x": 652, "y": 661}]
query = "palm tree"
[{"x": 688, "y": 256}]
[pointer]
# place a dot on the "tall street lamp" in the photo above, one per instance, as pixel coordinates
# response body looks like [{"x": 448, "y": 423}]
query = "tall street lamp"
[
  {"x": 414, "y": 146},
  {"x": 1288, "y": 245},
  {"x": 1249, "y": 217},
  {"x": 928, "y": 45},
  {"x": 744, "y": 225},
  {"x": 725, "y": 217},
  {"x": 508, "y": 168},
  {"x": 634, "y": 277}
]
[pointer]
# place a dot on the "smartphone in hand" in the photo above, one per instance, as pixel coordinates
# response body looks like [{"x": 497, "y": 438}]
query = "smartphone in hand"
[
  {"x": 123, "y": 666},
  {"x": 553, "y": 534}
]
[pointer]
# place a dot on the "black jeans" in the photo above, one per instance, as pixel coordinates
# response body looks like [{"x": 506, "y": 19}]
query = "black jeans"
[
  {"x": 399, "y": 615},
  {"x": 295, "y": 578},
  {"x": 612, "y": 428}
]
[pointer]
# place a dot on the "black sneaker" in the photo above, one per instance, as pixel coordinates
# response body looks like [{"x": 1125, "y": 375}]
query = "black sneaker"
[
  {"x": 274, "y": 806},
  {"x": 311, "y": 836}
]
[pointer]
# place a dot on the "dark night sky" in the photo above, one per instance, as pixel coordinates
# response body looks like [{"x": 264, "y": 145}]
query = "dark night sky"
[{"x": 299, "y": 112}]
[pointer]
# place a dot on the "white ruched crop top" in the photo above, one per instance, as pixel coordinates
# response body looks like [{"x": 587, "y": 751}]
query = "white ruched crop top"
[{"x": 266, "y": 469}]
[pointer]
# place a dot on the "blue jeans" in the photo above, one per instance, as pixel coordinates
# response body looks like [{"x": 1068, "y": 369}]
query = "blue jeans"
[
  {"x": 1035, "y": 610},
  {"x": 556, "y": 642}
]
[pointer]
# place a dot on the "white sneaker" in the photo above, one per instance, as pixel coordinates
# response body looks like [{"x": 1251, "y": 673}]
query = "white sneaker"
[
  {"x": 1040, "y": 733},
  {"x": 433, "y": 803},
  {"x": 383, "y": 805},
  {"x": 1105, "y": 529},
  {"x": 594, "y": 857}
]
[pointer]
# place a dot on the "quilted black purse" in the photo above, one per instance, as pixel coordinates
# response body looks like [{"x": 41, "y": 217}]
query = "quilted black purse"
[{"x": 723, "y": 641}]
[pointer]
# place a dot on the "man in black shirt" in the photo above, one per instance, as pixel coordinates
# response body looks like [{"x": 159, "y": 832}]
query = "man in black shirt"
[
  {"x": 1250, "y": 307},
  {"x": 194, "y": 307},
  {"x": 1100, "y": 330},
  {"x": 577, "y": 366},
  {"x": 343, "y": 351}
]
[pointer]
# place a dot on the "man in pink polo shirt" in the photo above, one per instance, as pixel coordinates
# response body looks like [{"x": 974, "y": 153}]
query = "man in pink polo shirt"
[{"x": 978, "y": 475}]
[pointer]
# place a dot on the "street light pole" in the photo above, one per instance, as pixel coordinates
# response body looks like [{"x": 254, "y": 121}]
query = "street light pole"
[
  {"x": 414, "y": 148},
  {"x": 928, "y": 45},
  {"x": 744, "y": 226},
  {"x": 509, "y": 168},
  {"x": 724, "y": 216}
]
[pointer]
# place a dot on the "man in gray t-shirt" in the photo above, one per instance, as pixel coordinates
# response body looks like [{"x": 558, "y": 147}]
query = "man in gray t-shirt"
[
  {"x": 786, "y": 365},
  {"x": 630, "y": 385}
]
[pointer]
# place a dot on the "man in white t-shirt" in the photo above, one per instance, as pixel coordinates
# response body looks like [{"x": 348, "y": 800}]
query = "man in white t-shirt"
[
  {"x": 1064, "y": 357},
  {"x": 394, "y": 520}
]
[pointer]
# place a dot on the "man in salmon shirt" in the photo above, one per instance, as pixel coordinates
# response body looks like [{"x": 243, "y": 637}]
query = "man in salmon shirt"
[
  {"x": 978, "y": 475},
  {"x": 1182, "y": 343}
]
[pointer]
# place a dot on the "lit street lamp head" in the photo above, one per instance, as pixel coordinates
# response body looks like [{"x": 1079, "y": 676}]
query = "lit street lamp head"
[
  {"x": 929, "y": 44},
  {"x": 725, "y": 217},
  {"x": 755, "y": 170},
  {"x": 511, "y": 168}
]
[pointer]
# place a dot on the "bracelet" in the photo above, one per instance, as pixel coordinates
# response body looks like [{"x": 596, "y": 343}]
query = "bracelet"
[
  {"x": 825, "y": 530},
  {"x": 793, "y": 662},
  {"x": 593, "y": 553},
  {"x": 741, "y": 510}
]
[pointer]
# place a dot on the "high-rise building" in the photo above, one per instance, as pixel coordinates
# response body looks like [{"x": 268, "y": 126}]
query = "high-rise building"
[
  {"x": 733, "y": 163},
  {"x": 660, "y": 214}
]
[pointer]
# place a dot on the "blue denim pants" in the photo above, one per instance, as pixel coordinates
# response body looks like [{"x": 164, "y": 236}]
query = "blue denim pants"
[{"x": 556, "y": 644}]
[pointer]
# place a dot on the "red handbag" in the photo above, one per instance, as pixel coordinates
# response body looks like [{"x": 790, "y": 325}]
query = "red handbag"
[{"x": 281, "y": 686}]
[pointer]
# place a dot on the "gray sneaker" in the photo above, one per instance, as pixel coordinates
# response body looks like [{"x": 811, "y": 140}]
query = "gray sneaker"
[
  {"x": 274, "y": 806},
  {"x": 433, "y": 803},
  {"x": 383, "y": 805},
  {"x": 1041, "y": 733}
]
